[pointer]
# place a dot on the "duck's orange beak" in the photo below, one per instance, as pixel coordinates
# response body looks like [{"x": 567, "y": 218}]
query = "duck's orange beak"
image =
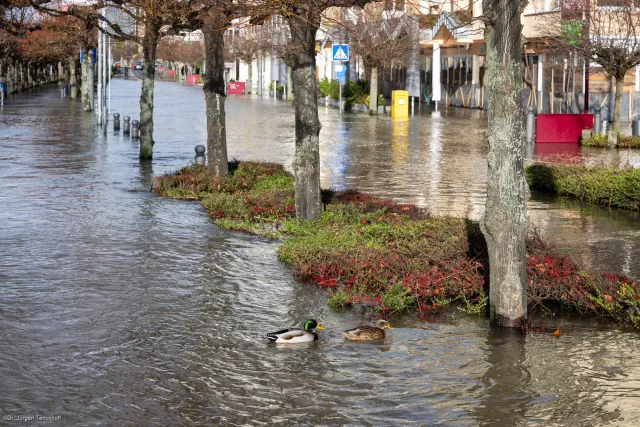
[{"x": 319, "y": 327}]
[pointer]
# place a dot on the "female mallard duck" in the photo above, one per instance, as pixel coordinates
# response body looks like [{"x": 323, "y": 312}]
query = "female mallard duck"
[
  {"x": 295, "y": 335},
  {"x": 367, "y": 332}
]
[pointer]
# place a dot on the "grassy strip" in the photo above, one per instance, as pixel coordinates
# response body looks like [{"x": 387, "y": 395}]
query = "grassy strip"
[
  {"x": 624, "y": 141},
  {"x": 392, "y": 257},
  {"x": 618, "y": 188}
]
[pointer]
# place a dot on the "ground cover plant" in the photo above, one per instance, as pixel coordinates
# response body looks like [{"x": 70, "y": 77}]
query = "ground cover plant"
[
  {"x": 624, "y": 141},
  {"x": 616, "y": 188},
  {"x": 392, "y": 257}
]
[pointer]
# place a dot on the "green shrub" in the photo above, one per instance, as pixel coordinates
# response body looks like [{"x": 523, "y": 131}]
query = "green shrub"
[
  {"x": 323, "y": 87},
  {"x": 596, "y": 140},
  {"x": 628, "y": 141},
  {"x": 380, "y": 100},
  {"x": 619, "y": 188},
  {"x": 357, "y": 92}
]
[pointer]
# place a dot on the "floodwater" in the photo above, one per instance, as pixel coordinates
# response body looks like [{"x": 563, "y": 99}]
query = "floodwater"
[{"x": 118, "y": 307}]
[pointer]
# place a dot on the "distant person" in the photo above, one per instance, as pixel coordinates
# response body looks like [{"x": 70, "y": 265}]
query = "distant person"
[{"x": 126, "y": 72}]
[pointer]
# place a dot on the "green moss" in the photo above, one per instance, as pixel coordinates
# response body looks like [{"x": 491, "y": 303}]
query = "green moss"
[{"x": 618, "y": 188}]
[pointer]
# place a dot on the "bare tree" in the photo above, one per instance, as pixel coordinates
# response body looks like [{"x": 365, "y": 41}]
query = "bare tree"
[
  {"x": 505, "y": 220},
  {"x": 140, "y": 21},
  {"x": 379, "y": 41},
  {"x": 277, "y": 39},
  {"x": 245, "y": 47},
  {"x": 611, "y": 39},
  {"x": 304, "y": 18}
]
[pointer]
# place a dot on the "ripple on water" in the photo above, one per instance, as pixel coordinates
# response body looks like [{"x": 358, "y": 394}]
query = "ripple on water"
[{"x": 119, "y": 307}]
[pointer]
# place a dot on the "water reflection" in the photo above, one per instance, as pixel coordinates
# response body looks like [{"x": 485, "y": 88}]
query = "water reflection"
[
  {"x": 119, "y": 307},
  {"x": 506, "y": 395}
]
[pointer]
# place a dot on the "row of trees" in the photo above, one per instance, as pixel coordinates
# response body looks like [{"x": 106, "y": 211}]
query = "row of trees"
[
  {"x": 48, "y": 41},
  {"x": 505, "y": 222}
]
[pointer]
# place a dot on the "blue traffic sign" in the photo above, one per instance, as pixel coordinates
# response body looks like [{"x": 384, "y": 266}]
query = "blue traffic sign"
[
  {"x": 340, "y": 76},
  {"x": 340, "y": 52}
]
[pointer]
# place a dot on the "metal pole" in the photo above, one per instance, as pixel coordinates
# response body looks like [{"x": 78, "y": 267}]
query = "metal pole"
[
  {"x": 340, "y": 101},
  {"x": 99, "y": 56},
  {"x": 109, "y": 68},
  {"x": 597, "y": 124},
  {"x": 104, "y": 80},
  {"x": 531, "y": 121}
]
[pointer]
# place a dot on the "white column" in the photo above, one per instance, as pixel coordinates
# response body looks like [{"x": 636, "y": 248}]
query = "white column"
[
  {"x": 637, "y": 78},
  {"x": 477, "y": 8},
  {"x": 475, "y": 79},
  {"x": 110, "y": 56},
  {"x": 540, "y": 82},
  {"x": 435, "y": 74}
]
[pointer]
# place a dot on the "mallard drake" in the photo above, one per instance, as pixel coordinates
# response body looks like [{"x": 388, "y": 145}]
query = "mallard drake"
[
  {"x": 296, "y": 335},
  {"x": 368, "y": 332}
]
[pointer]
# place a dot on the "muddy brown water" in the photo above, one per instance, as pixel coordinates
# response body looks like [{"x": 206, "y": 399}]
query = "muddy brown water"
[{"x": 118, "y": 307}]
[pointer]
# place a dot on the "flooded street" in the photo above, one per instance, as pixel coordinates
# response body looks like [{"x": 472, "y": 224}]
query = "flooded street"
[{"x": 118, "y": 307}]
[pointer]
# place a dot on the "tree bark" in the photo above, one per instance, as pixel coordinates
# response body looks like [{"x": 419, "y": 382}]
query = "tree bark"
[
  {"x": 289, "y": 84},
  {"x": 214, "y": 95},
  {"x": 306, "y": 164},
  {"x": 149, "y": 44},
  {"x": 87, "y": 82},
  {"x": 373, "y": 92},
  {"x": 505, "y": 221},
  {"x": 617, "y": 107},
  {"x": 73, "y": 80}
]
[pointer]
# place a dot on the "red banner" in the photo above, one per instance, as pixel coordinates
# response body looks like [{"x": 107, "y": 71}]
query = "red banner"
[
  {"x": 171, "y": 73},
  {"x": 562, "y": 127},
  {"x": 236, "y": 88}
]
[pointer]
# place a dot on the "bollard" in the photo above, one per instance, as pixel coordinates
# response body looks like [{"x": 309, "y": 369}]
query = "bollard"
[
  {"x": 635, "y": 128},
  {"x": 126, "y": 126},
  {"x": 200, "y": 159},
  {"x": 326, "y": 101},
  {"x": 604, "y": 127},
  {"x": 531, "y": 121},
  {"x": 116, "y": 121},
  {"x": 597, "y": 122},
  {"x": 135, "y": 129}
]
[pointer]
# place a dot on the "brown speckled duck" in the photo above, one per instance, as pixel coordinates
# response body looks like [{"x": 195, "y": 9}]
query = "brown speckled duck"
[{"x": 367, "y": 332}]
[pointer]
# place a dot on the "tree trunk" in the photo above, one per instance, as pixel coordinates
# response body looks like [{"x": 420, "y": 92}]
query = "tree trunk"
[
  {"x": 87, "y": 82},
  {"x": 617, "y": 108},
  {"x": 73, "y": 80},
  {"x": 306, "y": 164},
  {"x": 149, "y": 44},
  {"x": 505, "y": 220},
  {"x": 214, "y": 95},
  {"x": 289, "y": 84},
  {"x": 373, "y": 92}
]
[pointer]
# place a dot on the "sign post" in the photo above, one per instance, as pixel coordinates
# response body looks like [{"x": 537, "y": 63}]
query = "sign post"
[{"x": 340, "y": 53}]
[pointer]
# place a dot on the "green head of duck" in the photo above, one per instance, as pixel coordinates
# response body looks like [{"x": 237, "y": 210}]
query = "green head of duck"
[{"x": 311, "y": 324}]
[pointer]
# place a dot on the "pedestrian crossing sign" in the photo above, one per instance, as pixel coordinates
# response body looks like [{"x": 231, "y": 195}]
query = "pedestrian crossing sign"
[{"x": 340, "y": 52}]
